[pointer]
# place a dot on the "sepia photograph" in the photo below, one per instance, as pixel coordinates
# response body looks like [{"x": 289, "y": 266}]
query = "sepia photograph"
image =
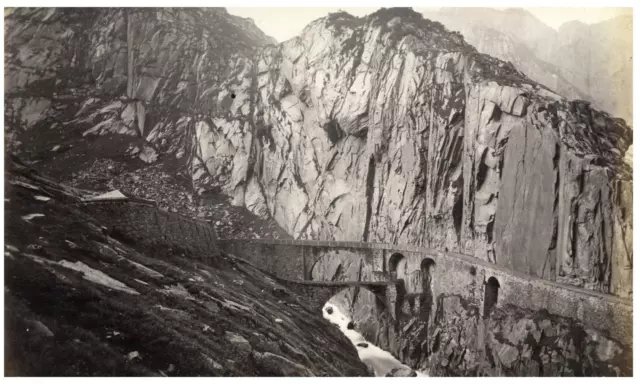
[{"x": 314, "y": 191}]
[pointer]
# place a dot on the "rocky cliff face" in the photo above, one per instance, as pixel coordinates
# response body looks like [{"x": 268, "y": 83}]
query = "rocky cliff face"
[
  {"x": 392, "y": 129},
  {"x": 388, "y": 128}
]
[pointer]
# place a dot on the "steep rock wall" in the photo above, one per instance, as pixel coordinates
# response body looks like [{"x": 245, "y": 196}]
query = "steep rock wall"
[{"x": 387, "y": 128}]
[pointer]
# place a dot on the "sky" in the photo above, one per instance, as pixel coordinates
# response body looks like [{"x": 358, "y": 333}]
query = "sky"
[{"x": 285, "y": 25}]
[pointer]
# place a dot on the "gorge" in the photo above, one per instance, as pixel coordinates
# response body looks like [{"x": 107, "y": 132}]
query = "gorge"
[{"x": 387, "y": 130}]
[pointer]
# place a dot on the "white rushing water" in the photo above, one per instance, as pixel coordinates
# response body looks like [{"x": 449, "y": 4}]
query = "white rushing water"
[{"x": 381, "y": 361}]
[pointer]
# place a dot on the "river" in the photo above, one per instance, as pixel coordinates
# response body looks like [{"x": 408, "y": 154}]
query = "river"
[{"x": 376, "y": 358}]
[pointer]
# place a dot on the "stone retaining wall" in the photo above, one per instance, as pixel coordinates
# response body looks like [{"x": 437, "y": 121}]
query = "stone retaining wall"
[{"x": 143, "y": 221}]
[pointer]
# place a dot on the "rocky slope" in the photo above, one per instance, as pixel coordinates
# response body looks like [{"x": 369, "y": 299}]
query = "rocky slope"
[
  {"x": 388, "y": 128},
  {"x": 81, "y": 303},
  {"x": 589, "y": 62}
]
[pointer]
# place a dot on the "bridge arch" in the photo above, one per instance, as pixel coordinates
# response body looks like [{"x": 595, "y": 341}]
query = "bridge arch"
[
  {"x": 428, "y": 269},
  {"x": 397, "y": 266},
  {"x": 491, "y": 288},
  {"x": 317, "y": 293}
]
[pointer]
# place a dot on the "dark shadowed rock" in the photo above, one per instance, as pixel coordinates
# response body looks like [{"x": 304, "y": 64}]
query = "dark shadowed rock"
[
  {"x": 280, "y": 366},
  {"x": 363, "y": 345}
]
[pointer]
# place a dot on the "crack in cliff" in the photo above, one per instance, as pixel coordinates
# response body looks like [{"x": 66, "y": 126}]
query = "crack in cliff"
[
  {"x": 371, "y": 175},
  {"x": 550, "y": 260}
]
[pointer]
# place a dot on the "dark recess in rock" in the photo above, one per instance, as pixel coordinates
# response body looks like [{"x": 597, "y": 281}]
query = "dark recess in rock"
[
  {"x": 457, "y": 214},
  {"x": 371, "y": 176},
  {"x": 334, "y": 132}
]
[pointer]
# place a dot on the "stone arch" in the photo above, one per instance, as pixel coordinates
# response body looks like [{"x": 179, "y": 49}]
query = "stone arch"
[
  {"x": 491, "y": 288},
  {"x": 427, "y": 272},
  {"x": 397, "y": 266},
  {"x": 427, "y": 267}
]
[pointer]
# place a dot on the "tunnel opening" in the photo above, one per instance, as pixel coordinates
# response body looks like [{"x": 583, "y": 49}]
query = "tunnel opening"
[
  {"x": 334, "y": 131},
  {"x": 490, "y": 295},
  {"x": 397, "y": 266}
]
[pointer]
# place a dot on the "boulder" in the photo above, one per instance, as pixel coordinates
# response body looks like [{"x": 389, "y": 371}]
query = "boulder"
[{"x": 402, "y": 372}]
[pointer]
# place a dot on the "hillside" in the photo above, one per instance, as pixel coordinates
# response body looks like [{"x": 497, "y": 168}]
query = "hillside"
[{"x": 80, "y": 302}]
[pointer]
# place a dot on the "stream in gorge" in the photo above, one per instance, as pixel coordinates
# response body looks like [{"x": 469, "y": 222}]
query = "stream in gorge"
[{"x": 381, "y": 361}]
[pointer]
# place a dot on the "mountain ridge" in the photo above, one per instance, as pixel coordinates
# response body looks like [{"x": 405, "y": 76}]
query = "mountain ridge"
[{"x": 581, "y": 52}]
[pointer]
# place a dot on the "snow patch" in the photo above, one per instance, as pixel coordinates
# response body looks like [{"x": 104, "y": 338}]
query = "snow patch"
[
  {"x": 11, "y": 248},
  {"x": 113, "y": 195},
  {"x": 98, "y": 277},
  {"x": 30, "y": 216},
  {"x": 23, "y": 184}
]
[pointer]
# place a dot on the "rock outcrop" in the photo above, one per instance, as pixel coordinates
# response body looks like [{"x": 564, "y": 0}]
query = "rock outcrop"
[
  {"x": 81, "y": 303},
  {"x": 388, "y": 128}
]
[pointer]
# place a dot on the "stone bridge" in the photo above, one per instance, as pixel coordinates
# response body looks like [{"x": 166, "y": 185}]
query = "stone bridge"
[
  {"x": 408, "y": 271},
  {"x": 396, "y": 274},
  {"x": 406, "y": 280}
]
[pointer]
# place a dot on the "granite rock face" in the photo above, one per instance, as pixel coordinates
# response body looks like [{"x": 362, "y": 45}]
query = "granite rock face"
[
  {"x": 513, "y": 342},
  {"x": 388, "y": 128},
  {"x": 391, "y": 129}
]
